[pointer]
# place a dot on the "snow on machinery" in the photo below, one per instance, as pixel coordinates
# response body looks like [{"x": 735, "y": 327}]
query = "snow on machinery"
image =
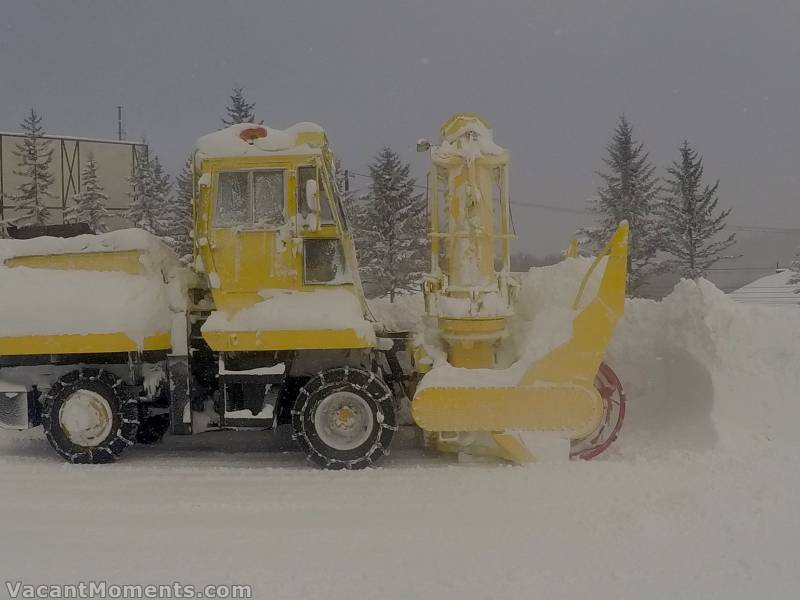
[
  {"x": 270, "y": 326},
  {"x": 470, "y": 403}
]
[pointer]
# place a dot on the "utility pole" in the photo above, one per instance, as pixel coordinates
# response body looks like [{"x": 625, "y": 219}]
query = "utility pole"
[{"x": 120, "y": 130}]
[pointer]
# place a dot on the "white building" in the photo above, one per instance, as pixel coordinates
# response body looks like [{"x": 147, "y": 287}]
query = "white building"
[{"x": 773, "y": 289}]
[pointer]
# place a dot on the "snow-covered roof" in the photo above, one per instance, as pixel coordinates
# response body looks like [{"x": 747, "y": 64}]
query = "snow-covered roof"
[
  {"x": 772, "y": 289},
  {"x": 300, "y": 138}
]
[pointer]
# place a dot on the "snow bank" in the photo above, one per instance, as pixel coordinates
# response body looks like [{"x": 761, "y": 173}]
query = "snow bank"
[
  {"x": 289, "y": 310},
  {"x": 226, "y": 142},
  {"x": 772, "y": 289},
  {"x": 700, "y": 369}
]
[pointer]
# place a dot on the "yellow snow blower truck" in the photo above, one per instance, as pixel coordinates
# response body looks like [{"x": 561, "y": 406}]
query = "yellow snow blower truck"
[{"x": 109, "y": 340}]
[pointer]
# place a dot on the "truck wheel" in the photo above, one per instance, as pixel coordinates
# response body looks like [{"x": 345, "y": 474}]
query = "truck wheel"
[
  {"x": 88, "y": 417},
  {"x": 344, "y": 419}
]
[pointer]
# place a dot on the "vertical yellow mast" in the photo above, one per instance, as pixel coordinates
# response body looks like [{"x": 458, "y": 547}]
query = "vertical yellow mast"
[{"x": 466, "y": 292}]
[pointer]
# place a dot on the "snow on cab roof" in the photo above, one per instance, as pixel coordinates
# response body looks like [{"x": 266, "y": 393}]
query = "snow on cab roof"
[
  {"x": 250, "y": 139},
  {"x": 772, "y": 289}
]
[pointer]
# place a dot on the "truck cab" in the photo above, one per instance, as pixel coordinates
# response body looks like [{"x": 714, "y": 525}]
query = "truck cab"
[{"x": 270, "y": 231}]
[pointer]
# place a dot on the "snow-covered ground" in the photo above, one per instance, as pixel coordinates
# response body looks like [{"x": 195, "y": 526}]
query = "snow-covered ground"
[
  {"x": 218, "y": 508},
  {"x": 699, "y": 499}
]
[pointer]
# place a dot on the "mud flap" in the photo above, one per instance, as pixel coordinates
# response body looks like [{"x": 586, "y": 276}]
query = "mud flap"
[
  {"x": 18, "y": 407},
  {"x": 180, "y": 391}
]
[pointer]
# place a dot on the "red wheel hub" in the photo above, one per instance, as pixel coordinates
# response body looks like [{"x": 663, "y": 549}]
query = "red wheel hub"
[{"x": 610, "y": 388}]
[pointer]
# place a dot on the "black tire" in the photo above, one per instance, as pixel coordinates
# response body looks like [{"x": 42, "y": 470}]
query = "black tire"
[
  {"x": 380, "y": 424},
  {"x": 152, "y": 429},
  {"x": 124, "y": 416}
]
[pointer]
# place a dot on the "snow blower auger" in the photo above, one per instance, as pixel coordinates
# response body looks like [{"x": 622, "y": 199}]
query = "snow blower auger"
[{"x": 467, "y": 404}]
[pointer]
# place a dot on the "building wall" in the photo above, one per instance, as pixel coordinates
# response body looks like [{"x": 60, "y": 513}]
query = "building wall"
[{"x": 115, "y": 161}]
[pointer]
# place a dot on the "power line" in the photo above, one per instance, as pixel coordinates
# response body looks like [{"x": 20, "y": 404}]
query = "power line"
[{"x": 583, "y": 211}]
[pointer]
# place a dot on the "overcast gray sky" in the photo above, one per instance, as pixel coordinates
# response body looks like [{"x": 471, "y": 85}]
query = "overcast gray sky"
[{"x": 550, "y": 76}]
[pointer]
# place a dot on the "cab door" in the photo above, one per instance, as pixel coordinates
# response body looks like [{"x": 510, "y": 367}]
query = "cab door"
[{"x": 248, "y": 215}]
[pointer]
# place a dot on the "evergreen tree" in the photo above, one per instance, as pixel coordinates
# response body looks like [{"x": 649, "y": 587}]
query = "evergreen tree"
[
  {"x": 239, "y": 110},
  {"x": 691, "y": 221},
  {"x": 150, "y": 196},
  {"x": 35, "y": 156},
  {"x": 795, "y": 267},
  {"x": 390, "y": 229},
  {"x": 90, "y": 203},
  {"x": 180, "y": 212},
  {"x": 350, "y": 200},
  {"x": 629, "y": 192}
]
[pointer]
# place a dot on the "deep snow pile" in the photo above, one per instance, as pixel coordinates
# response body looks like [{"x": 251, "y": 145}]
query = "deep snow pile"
[
  {"x": 772, "y": 289},
  {"x": 699, "y": 367},
  {"x": 36, "y": 301}
]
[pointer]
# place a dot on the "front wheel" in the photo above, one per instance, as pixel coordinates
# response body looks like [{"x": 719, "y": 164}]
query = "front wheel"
[
  {"x": 344, "y": 419},
  {"x": 88, "y": 417}
]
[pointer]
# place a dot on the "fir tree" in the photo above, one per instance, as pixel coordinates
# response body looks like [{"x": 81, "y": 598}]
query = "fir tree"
[
  {"x": 150, "y": 197},
  {"x": 795, "y": 267},
  {"x": 390, "y": 229},
  {"x": 35, "y": 156},
  {"x": 350, "y": 200},
  {"x": 691, "y": 221},
  {"x": 239, "y": 110},
  {"x": 180, "y": 212},
  {"x": 629, "y": 192},
  {"x": 90, "y": 203}
]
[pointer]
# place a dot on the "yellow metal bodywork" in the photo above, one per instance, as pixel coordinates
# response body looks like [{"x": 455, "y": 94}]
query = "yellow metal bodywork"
[
  {"x": 472, "y": 301},
  {"x": 471, "y": 342},
  {"x": 124, "y": 261},
  {"x": 476, "y": 234},
  {"x": 120, "y": 261},
  {"x": 556, "y": 393},
  {"x": 242, "y": 262},
  {"x": 285, "y": 339},
  {"x": 91, "y": 343}
]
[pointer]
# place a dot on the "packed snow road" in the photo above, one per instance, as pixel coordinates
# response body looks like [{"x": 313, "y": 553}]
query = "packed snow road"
[{"x": 221, "y": 508}]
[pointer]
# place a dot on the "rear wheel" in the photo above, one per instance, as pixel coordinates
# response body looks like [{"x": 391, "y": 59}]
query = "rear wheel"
[
  {"x": 344, "y": 419},
  {"x": 88, "y": 417},
  {"x": 610, "y": 388}
]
